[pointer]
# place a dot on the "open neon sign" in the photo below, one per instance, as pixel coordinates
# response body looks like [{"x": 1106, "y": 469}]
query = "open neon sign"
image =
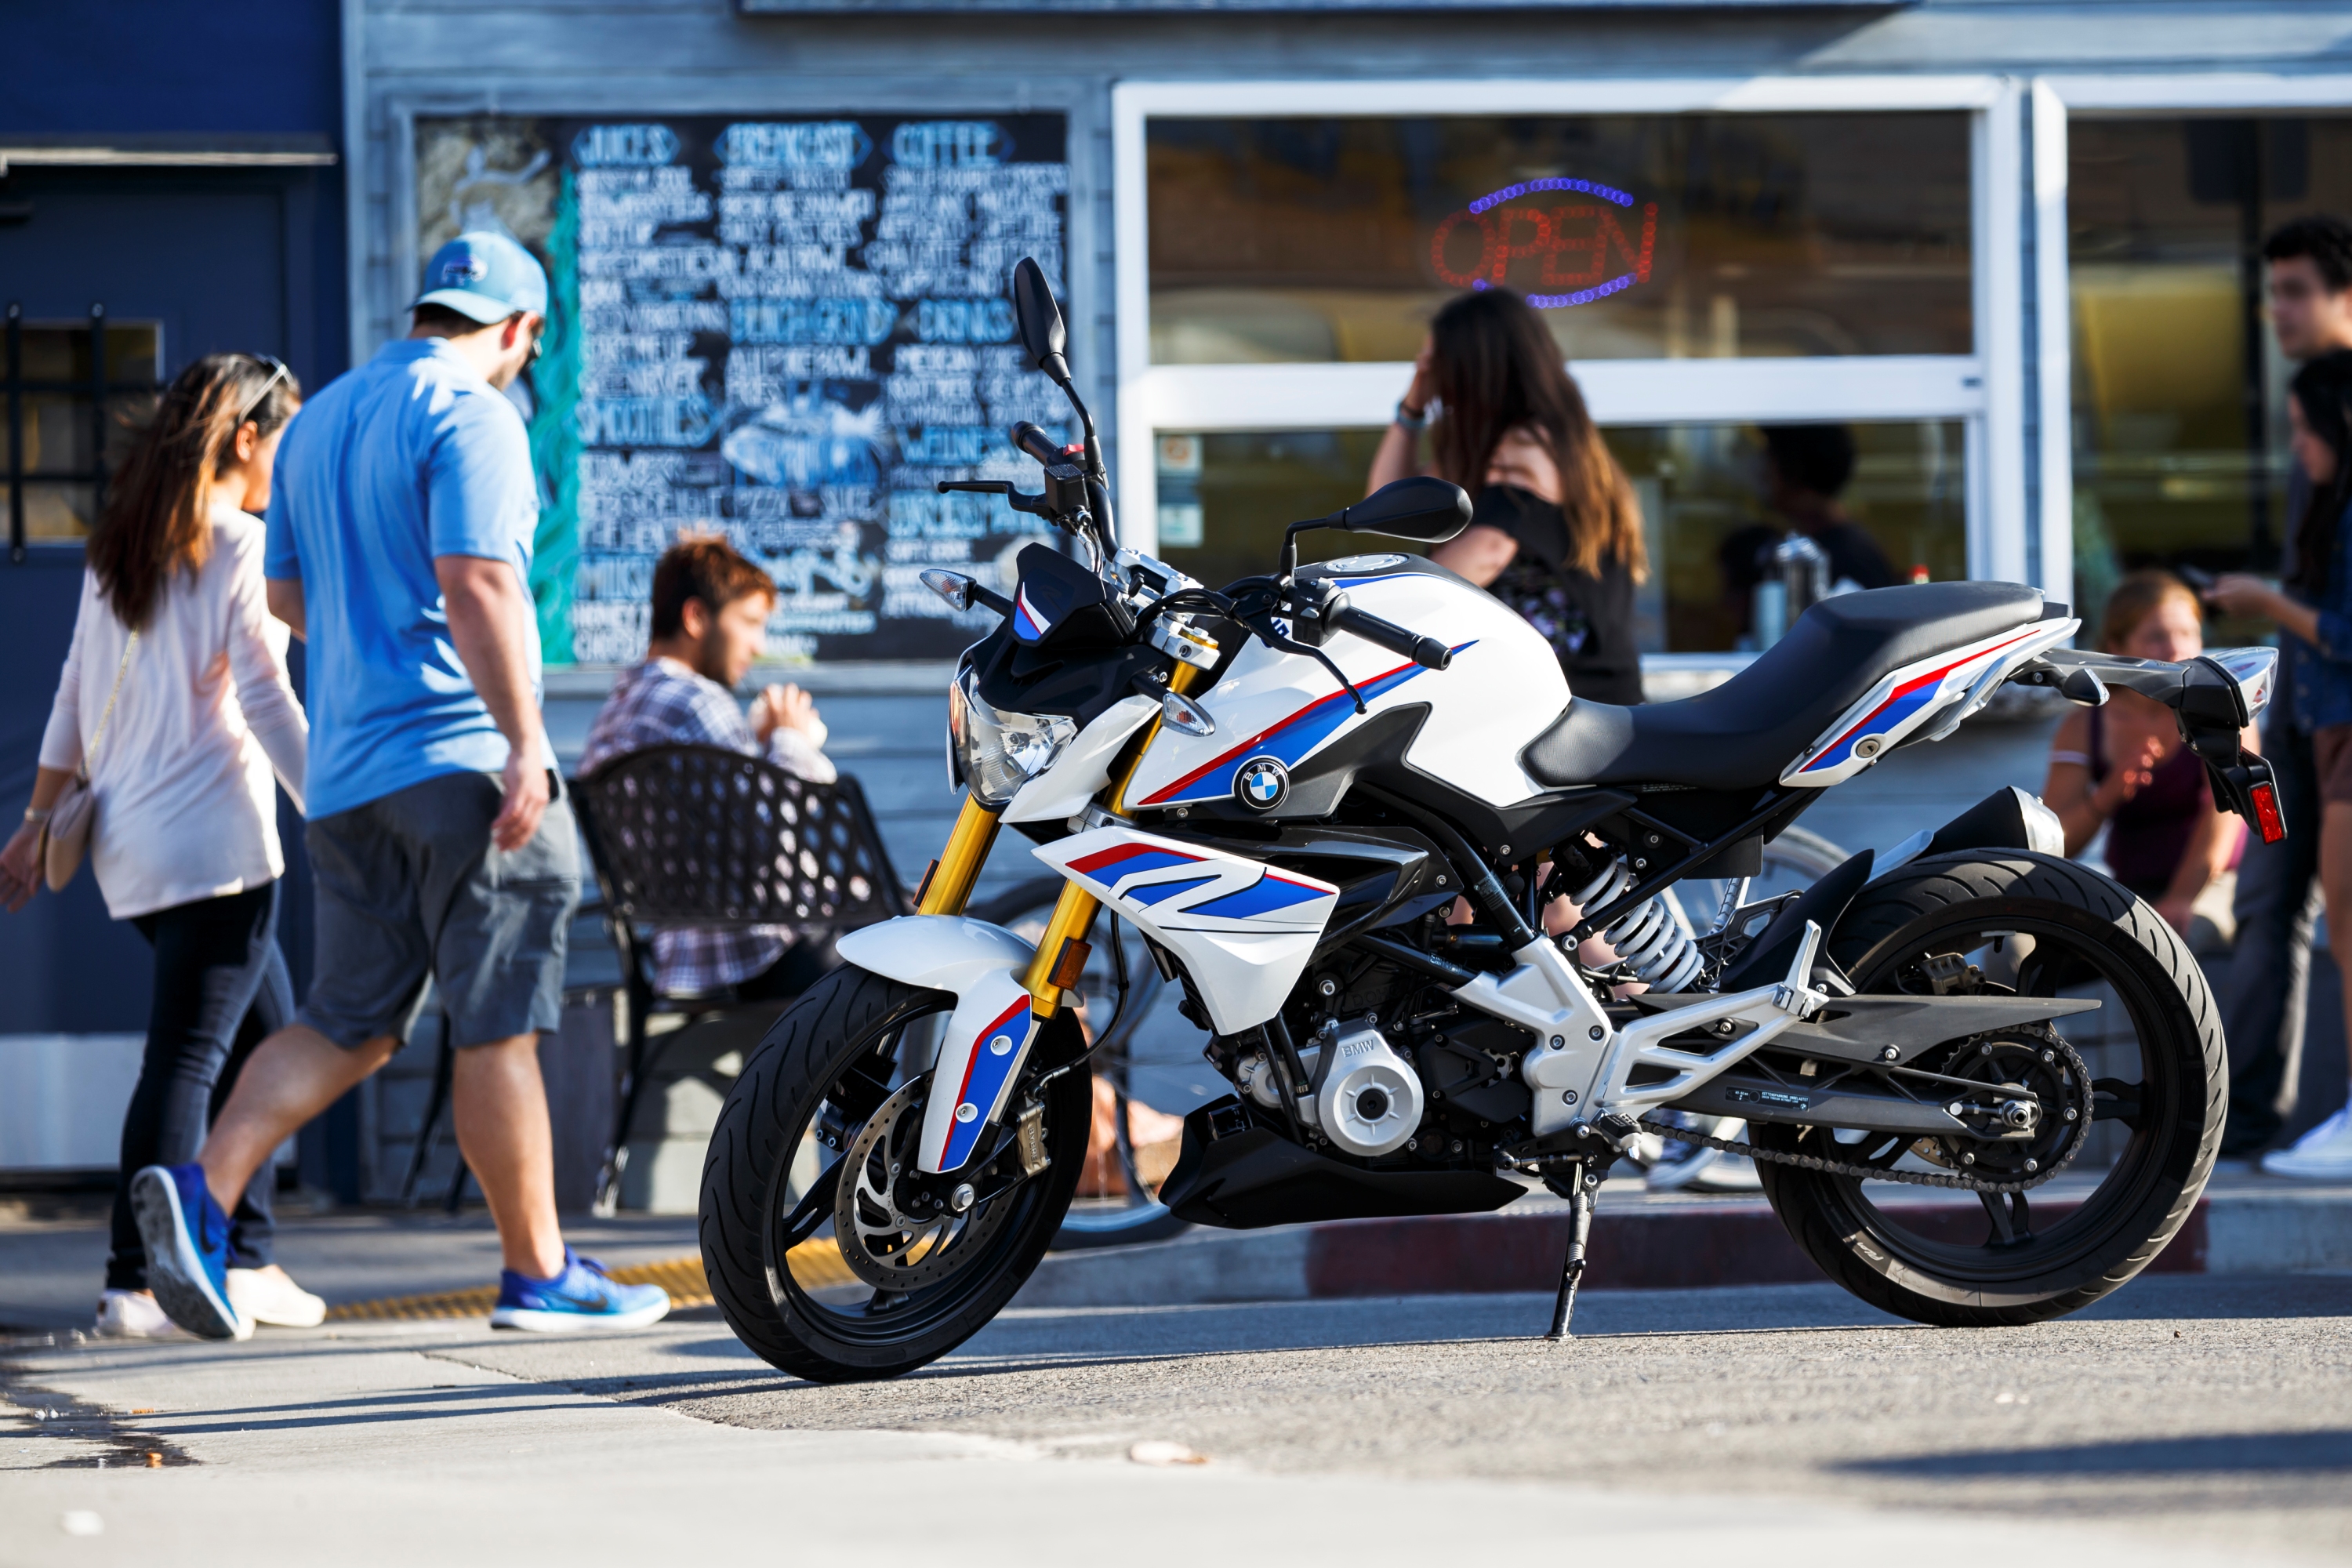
[{"x": 1572, "y": 241}]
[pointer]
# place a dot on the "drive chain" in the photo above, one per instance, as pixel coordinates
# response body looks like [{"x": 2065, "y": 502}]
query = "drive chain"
[{"x": 1912, "y": 1178}]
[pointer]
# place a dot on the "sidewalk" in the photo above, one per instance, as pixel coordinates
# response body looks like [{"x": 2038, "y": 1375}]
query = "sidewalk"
[
  {"x": 370, "y": 1264},
  {"x": 1646, "y": 1241}
]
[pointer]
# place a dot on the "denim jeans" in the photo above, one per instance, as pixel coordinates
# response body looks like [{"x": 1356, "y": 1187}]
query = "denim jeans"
[
  {"x": 2270, "y": 969},
  {"x": 221, "y": 986}
]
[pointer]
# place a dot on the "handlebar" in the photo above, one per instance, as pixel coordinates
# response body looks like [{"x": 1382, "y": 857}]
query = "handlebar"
[
  {"x": 1033, "y": 440},
  {"x": 1426, "y": 652}
]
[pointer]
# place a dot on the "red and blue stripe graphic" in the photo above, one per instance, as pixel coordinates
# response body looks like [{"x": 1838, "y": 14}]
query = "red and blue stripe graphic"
[
  {"x": 1905, "y": 700},
  {"x": 984, "y": 1073},
  {"x": 1289, "y": 741},
  {"x": 1269, "y": 893},
  {"x": 1028, "y": 623}
]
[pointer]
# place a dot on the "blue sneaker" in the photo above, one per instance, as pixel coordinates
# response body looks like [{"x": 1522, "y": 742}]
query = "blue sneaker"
[
  {"x": 187, "y": 1235},
  {"x": 582, "y": 1296}
]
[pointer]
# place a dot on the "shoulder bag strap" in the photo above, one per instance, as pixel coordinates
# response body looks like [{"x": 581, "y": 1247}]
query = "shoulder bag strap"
[{"x": 90, "y": 752}]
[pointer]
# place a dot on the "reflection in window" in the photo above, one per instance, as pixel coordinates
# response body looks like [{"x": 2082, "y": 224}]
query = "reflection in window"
[
  {"x": 59, "y": 439},
  {"x": 1642, "y": 237},
  {"x": 2179, "y": 400},
  {"x": 1702, "y": 488}
]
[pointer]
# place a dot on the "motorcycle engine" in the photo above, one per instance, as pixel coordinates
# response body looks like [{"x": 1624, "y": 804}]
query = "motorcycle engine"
[{"x": 1366, "y": 1097}]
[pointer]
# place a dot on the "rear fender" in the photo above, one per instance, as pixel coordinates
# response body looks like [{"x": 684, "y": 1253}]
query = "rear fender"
[
  {"x": 986, "y": 1037},
  {"x": 2008, "y": 818}
]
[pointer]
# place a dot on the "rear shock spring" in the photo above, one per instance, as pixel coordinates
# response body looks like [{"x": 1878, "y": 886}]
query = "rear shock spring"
[{"x": 1647, "y": 937}]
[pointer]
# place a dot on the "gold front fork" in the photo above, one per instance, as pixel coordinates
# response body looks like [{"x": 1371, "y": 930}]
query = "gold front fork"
[{"x": 949, "y": 887}]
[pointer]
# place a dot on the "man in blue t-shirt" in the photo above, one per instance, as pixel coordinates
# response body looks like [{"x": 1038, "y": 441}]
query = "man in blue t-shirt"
[{"x": 399, "y": 548}]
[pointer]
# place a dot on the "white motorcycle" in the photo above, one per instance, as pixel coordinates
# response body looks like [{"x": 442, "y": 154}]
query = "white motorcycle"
[{"x": 1343, "y": 805}]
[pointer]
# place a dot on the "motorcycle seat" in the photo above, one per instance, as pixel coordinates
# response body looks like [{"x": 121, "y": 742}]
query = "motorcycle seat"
[{"x": 1747, "y": 731}]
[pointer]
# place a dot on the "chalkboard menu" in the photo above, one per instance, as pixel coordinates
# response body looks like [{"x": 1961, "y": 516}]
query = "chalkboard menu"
[{"x": 786, "y": 330}]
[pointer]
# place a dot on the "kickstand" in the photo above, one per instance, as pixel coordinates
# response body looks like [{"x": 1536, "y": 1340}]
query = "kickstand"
[{"x": 1581, "y": 1199}]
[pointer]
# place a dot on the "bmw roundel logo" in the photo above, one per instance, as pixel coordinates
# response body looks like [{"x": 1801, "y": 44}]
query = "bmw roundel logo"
[{"x": 1261, "y": 783}]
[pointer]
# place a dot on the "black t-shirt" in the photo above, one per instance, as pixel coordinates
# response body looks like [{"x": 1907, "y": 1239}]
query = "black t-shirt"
[{"x": 1588, "y": 618}]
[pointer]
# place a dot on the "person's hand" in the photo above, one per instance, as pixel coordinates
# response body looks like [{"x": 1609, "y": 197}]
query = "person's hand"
[
  {"x": 2130, "y": 776},
  {"x": 20, "y": 868},
  {"x": 2176, "y": 911},
  {"x": 783, "y": 708},
  {"x": 2236, "y": 593},
  {"x": 525, "y": 802},
  {"x": 1424, "y": 380}
]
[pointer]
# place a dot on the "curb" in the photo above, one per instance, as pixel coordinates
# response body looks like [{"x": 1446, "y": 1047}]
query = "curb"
[{"x": 1676, "y": 1245}]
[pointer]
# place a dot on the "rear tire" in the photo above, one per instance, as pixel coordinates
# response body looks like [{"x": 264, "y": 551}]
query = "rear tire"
[
  {"x": 2086, "y": 927},
  {"x": 838, "y": 1045}
]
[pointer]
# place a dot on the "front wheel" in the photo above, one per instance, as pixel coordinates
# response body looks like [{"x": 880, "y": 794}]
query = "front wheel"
[
  {"x": 825, "y": 1252},
  {"x": 2037, "y": 926}
]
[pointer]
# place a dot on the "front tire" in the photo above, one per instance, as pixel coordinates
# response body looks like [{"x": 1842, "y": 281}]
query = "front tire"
[
  {"x": 831, "y": 1063},
  {"x": 2088, "y": 936}
]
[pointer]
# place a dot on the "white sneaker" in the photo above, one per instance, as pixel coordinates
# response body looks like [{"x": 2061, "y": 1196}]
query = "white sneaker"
[
  {"x": 2322, "y": 1155},
  {"x": 268, "y": 1296},
  {"x": 134, "y": 1315}
]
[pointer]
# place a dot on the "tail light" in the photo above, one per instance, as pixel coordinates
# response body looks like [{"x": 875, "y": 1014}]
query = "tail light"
[{"x": 2266, "y": 811}]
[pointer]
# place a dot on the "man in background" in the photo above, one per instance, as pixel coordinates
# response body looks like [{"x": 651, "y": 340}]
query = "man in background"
[
  {"x": 399, "y": 548},
  {"x": 2278, "y": 904},
  {"x": 1806, "y": 468},
  {"x": 711, "y": 613}
]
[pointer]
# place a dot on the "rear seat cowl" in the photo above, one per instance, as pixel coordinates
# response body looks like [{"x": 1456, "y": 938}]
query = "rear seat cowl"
[{"x": 1747, "y": 730}]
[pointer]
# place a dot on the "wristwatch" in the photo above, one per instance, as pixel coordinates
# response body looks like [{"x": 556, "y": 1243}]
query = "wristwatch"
[
  {"x": 1413, "y": 422},
  {"x": 37, "y": 815}
]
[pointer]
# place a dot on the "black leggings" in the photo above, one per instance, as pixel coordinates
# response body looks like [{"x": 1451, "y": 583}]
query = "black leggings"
[{"x": 221, "y": 986}]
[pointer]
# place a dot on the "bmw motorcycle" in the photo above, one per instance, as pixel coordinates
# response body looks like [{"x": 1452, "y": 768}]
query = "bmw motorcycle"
[{"x": 1353, "y": 813}]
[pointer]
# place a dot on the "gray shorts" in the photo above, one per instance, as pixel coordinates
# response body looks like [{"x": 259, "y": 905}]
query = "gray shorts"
[{"x": 409, "y": 886}]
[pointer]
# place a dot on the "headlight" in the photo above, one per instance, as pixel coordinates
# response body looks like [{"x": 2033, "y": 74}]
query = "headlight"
[{"x": 999, "y": 752}]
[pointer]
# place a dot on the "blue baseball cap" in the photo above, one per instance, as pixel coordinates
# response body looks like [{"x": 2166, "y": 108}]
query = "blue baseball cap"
[{"x": 485, "y": 278}]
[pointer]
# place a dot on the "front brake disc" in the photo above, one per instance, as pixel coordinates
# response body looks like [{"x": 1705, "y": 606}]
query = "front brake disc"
[{"x": 882, "y": 1244}]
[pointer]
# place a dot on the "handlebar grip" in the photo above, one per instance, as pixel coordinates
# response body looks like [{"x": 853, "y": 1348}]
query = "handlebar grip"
[
  {"x": 1426, "y": 652},
  {"x": 1032, "y": 439}
]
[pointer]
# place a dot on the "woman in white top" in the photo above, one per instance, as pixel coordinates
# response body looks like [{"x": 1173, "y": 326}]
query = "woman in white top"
[{"x": 174, "y": 701}]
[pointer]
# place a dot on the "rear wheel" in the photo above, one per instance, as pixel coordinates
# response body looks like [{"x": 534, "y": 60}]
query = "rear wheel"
[
  {"x": 824, "y": 1255},
  {"x": 2033, "y": 925}
]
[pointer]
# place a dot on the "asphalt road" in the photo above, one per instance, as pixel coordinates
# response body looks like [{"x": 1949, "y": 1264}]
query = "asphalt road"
[
  {"x": 2188, "y": 1420},
  {"x": 2215, "y": 1409}
]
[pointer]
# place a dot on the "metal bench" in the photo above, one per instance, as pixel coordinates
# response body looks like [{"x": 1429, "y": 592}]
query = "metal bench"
[{"x": 703, "y": 836}]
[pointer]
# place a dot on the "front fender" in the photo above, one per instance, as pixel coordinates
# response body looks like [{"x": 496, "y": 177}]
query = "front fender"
[{"x": 987, "y": 1037}]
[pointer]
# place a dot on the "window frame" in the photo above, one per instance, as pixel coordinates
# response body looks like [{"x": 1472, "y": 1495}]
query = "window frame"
[
  {"x": 1985, "y": 389},
  {"x": 2057, "y": 98}
]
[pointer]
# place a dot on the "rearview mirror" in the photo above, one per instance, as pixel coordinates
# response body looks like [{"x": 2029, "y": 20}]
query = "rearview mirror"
[
  {"x": 1042, "y": 332},
  {"x": 1423, "y": 508}
]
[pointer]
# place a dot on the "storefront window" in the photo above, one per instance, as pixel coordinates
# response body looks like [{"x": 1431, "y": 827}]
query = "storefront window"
[
  {"x": 61, "y": 440},
  {"x": 1701, "y": 487},
  {"x": 1640, "y": 236},
  {"x": 2180, "y": 405}
]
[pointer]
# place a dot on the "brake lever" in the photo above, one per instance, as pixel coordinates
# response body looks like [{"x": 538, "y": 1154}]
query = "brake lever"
[{"x": 1020, "y": 500}]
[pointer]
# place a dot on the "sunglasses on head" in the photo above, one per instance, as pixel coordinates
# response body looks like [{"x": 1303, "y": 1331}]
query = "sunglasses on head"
[{"x": 277, "y": 373}]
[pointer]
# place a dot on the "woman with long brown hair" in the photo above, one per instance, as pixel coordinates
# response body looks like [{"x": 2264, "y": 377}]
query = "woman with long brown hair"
[
  {"x": 1556, "y": 532},
  {"x": 173, "y": 712}
]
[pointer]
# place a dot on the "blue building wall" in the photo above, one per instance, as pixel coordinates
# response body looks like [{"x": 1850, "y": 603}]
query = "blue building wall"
[{"x": 233, "y": 258}]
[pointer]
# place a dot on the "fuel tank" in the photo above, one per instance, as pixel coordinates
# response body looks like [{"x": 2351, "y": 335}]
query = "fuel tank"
[{"x": 1287, "y": 734}]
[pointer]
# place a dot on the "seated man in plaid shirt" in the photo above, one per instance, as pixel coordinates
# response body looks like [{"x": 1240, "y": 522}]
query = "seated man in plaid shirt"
[{"x": 710, "y": 620}]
